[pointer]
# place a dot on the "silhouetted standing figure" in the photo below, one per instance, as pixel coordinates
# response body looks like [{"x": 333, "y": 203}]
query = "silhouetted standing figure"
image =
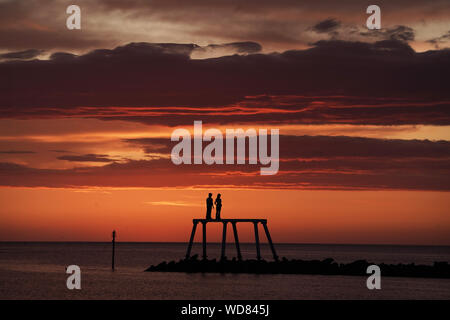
[
  {"x": 218, "y": 204},
  {"x": 209, "y": 206}
]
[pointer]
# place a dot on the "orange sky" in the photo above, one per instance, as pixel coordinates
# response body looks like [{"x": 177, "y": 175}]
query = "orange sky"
[{"x": 377, "y": 217}]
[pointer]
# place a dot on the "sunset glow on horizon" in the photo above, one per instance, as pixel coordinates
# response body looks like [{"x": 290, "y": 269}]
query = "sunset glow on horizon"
[{"x": 36, "y": 214}]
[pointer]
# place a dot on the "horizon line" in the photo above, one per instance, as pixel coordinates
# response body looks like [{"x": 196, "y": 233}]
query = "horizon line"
[{"x": 219, "y": 243}]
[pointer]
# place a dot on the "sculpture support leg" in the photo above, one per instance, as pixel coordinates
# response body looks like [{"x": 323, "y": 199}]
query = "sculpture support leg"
[
  {"x": 224, "y": 240},
  {"x": 270, "y": 242},
  {"x": 236, "y": 240},
  {"x": 191, "y": 240},
  {"x": 258, "y": 253},
  {"x": 204, "y": 240}
]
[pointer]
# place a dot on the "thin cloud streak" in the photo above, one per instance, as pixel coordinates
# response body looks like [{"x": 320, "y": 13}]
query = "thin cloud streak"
[{"x": 172, "y": 203}]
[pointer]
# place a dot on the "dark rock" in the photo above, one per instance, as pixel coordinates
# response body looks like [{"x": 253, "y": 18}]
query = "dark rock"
[{"x": 325, "y": 267}]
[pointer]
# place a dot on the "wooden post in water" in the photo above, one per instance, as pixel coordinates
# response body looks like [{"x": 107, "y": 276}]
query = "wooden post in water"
[
  {"x": 258, "y": 252},
  {"x": 275, "y": 257},
  {"x": 191, "y": 240},
  {"x": 204, "y": 240},
  {"x": 113, "y": 248},
  {"x": 224, "y": 240},
  {"x": 236, "y": 241}
]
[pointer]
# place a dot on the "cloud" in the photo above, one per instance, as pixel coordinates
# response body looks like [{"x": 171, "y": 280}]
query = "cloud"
[
  {"x": 23, "y": 55},
  {"x": 59, "y": 151},
  {"x": 16, "y": 152},
  {"x": 437, "y": 42},
  {"x": 242, "y": 47},
  {"x": 306, "y": 162},
  {"x": 396, "y": 33},
  {"x": 172, "y": 203},
  {"x": 326, "y": 26},
  {"x": 219, "y": 50},
  {"x": 277, "y": 25},
  {"x": 328, "y": 147},
  {"x": 401, "y": 33},
  {"x": 61, "y": 56},
  {"x": 87, "y": 158},
  {"x": 385, "y": 82}
]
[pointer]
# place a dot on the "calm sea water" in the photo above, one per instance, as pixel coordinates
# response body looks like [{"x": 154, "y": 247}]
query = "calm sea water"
[{"x": 33, "y": 270}]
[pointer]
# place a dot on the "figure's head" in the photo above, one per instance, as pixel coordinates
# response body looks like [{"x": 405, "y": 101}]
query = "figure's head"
[
  {"x": 218, "y": 196},
  {"x": 210, "y": 195}
]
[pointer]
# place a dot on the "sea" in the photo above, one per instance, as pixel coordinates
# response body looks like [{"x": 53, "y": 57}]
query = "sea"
[{"x": 37, "y": 270}]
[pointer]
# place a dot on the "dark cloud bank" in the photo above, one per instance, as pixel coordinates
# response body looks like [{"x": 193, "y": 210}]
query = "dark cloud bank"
[{"x": 385, "y": 82}]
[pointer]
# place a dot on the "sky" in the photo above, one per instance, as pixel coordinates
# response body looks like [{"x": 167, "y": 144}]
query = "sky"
[{"x": 86, "y": 118}]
